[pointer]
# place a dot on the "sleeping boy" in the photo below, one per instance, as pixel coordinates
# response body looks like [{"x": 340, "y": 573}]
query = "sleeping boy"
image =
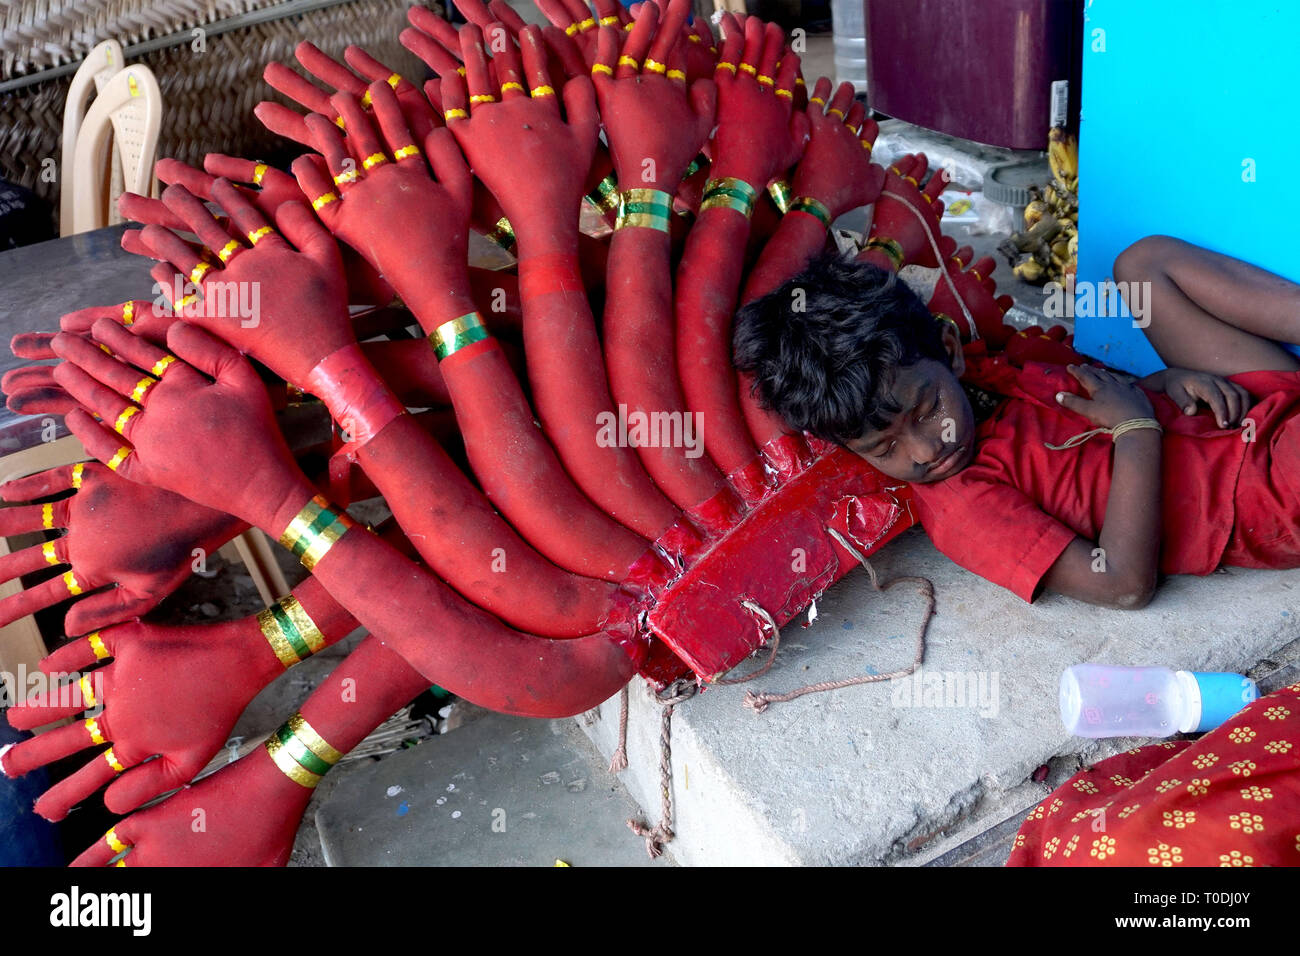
[{"x": 1071, "y": 478}]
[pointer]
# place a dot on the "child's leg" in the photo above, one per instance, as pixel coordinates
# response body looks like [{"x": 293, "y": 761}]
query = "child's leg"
[{"x": 1211, "y": 312}]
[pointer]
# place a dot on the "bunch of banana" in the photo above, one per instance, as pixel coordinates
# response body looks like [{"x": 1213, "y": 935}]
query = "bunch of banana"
[{"x": 1048, "y": 248}]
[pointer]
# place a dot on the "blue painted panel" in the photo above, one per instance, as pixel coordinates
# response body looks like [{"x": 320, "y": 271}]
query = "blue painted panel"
[{"x": 1179, "y": 96}]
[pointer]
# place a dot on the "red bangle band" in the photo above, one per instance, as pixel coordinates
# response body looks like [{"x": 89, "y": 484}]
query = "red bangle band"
[{"x": 356, "y": 396}]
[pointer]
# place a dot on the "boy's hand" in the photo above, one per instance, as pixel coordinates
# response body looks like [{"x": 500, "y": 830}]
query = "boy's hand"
[
  {"x": 1188, "y": 388},
  {"x": 1111, "y": 399}
]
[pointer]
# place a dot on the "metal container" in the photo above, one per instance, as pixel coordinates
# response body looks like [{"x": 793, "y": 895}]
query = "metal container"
[{"x": 850, "y": 43}]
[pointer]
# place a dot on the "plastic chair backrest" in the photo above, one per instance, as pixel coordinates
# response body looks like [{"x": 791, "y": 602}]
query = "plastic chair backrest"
[
  {"x": 129, "y": 107},
  {"x": 97, "y": 68}
]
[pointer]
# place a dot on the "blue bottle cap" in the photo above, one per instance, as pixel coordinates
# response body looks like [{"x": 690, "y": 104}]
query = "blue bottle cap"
[{"x": 1222, "y": 696}]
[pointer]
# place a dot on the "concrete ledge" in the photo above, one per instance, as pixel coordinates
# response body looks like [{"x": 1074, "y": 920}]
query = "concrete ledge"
[{"x": 860, "y": 776}]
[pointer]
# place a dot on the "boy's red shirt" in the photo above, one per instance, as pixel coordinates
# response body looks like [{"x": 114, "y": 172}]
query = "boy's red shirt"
[{"x": 1011, "y": 513}]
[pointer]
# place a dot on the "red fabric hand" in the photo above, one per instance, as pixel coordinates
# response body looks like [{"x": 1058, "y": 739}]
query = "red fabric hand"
[
  {"x": 286, "y": 306},
  {"x": 897, "y": 218},
  {"x": 1035, "y": 344},
  {"x": 169, "y": 692},
  {"x": 140, "y": 539},
  {"x": 534, "y": 160},
  {"x": 411, "y": 228},
  {"x": 215, "y": 443},
  {"x": 759, "y": 136},
  {"x": 836, "y": 168},
  {"x": 654, "y": 125},
  {"x": 976, "y": 288}
]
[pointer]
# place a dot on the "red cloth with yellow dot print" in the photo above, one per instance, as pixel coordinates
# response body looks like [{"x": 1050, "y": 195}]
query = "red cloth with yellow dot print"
[{"x": 1231, "y": 798}]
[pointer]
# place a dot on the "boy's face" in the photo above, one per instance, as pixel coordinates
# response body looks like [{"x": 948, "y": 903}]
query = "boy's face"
[{"x": 933, "y": 437}]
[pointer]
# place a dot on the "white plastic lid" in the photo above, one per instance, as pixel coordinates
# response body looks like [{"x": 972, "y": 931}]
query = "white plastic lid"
[{"x": 1190, "y": 689}]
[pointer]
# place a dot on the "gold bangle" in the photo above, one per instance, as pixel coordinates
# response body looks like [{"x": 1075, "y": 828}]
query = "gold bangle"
[
  {"x": 47, "y": 552},
  {"x": 257, "y": 234},
  {"x": 373, "y": 160},
  {"x": 813, "y": 208},
  {"x": 890, "y": 247},
  {"x": 119, "y": 456},
  {"x": 315, "y": 530},
  {"x": 228, "y": 250},
  {"x": 92, "y": 728},
  {"x": 945, "y": 317},
  {"x": 301, "y": 754},
  {"x": 290, "y": 631},
  {"x": 512, "y": 85},
  {"x": 128, "y": 312},
  {"x": 455, "y": 114},
  {"x": 654, "y": 66},
  {"x": 605, "y": 196},
  {"x": 538, "y": 91},
  {"x": 405, "y": 152},
  {"x": 347, "y": 176},
  {"x": 779, "y": 190},
  {"x": 645, "y": 208},
  {"x": 502, "y": 234},
  {"x": 729, "y": 193},
  {"x": 77, "y": 471},
  {"x": 320, "y": 202},
  {"x": 258, "y": 172},
  {"x": 452, "y": 336},
  {"x": 97, "y": 645},
  {"x": 481, "y": 98}
]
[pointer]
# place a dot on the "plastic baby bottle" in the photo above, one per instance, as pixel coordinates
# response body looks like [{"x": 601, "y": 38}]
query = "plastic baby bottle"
[{"x": 1102, "y": 701}]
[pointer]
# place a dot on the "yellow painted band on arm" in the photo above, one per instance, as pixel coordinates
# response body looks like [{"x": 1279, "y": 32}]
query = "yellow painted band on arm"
[
  {"x": 47, "y": 552},
  {"x": 228, "y": 250},
  {"x": 111, "y": 759},
  {"x": 455, "y": 114},
  {"x": 87, "y": 695},
  {"x": 258, "y": 234},
  {"x": 97, "y": 645},
  {"x": 74, "y": 587},
  {"x": 320, "y": 202},
  {"x": 127, "y": 414},
  {"x": 119, "y": 456},
  {"x": 92, "y": 728},
  {"x": 542, "y": 91},
  {"x": 654, "y": 66},
  {"x": 78, "y": 470},
  {"x": 47, "y": 517},
  {"x": 128, "y": 312},
  {"x": 373, "y": 160}
]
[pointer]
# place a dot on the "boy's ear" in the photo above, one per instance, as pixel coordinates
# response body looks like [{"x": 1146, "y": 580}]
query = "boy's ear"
[{"x": 952, "y": 342}]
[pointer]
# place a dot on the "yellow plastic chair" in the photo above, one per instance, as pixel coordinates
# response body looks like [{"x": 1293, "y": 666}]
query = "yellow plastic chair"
[
  {"x": 95, "y": 71},
  {"x": 128, "y": 113}
]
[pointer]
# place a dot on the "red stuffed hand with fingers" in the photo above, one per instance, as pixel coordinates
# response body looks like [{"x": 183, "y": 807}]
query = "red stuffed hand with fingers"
[
  {"x": 906, "y": 219},
  {"x": 412, "y": 228},
  {"x": 139, "y": 538},
  {"x": 976, "y": 289},
  {"x": 836, "y": 170}
]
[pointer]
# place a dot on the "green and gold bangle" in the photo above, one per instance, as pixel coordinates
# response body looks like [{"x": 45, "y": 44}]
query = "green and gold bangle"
[
  {"x": 290, "y": 631},
  {"x": 302, "y": 755},
  {"x": 698, "y": 163},
  {"x": 813, "y": 208},
  {"x": 779, "y": 190},
  {"x": 605, "y": 196},
  {"x": 729, "y": 193},
  {"x": 314, "y": 531},
  {"x": 890, "y": 247},
  {"x": 645, "y": 208},
  {"x": 453, "y": 336},
  {"x": 503, "y": 234}
]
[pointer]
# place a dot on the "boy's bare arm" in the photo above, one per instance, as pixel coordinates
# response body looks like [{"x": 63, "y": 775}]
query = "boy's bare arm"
[{"x": 1121, "y": 568}]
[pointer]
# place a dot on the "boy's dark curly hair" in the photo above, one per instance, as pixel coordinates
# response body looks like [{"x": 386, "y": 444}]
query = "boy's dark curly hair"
[{"x": 824, "y": 347}]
